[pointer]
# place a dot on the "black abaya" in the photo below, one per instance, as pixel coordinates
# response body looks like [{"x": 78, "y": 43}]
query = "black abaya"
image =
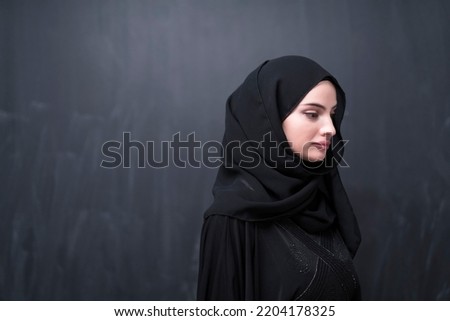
[{"x": 277, "y": 260}]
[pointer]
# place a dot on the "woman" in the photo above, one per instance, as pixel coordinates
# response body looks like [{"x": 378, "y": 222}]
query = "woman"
[{"x": 281, "y": 226}]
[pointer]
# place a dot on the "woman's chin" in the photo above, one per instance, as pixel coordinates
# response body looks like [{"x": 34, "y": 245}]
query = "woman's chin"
[{"x": 314, "y": 157}]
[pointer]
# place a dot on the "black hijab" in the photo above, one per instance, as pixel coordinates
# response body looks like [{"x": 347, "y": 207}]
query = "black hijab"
[{"x": 263, "y": 180}]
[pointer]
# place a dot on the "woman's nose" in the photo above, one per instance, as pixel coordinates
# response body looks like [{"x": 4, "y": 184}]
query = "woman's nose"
[{"x": 327, "y": 128}]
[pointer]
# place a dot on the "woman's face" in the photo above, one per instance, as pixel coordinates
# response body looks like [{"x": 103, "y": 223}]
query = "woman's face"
[{"x": 309, "y": 127}]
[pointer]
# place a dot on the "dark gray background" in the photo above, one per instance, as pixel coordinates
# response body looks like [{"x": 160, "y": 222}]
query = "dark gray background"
[{"x": 75, "y": 74}]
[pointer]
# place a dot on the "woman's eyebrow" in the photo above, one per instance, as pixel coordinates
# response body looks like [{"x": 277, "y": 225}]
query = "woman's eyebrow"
[{"x": 319, "y": 105}]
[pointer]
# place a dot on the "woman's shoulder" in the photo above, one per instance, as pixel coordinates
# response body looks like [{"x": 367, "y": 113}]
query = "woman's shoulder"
[
  {"x": 221, "y": 224},
  {"x": 220, "y": 218}
]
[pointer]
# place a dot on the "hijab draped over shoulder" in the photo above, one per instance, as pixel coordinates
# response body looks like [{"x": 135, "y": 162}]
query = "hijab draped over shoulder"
[{"x": 261, "y": 179}]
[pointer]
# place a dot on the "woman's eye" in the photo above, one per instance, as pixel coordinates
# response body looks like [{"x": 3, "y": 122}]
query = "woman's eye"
[{"x": 312, "y": 115}]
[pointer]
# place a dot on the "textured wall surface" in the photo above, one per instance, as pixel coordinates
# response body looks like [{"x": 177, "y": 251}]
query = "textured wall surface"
[{"x": 76, "y": 74}]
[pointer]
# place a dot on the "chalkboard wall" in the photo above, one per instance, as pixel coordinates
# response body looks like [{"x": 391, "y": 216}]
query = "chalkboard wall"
[{"x": 75, "y": 75}]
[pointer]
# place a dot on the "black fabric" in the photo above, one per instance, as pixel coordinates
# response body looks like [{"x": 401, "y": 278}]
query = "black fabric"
[
  {"x": 273, "y": 260},
  {"x": 275, "y": 184}
]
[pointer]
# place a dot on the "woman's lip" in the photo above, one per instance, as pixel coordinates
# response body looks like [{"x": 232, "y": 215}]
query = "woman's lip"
[{"x": 322, "y": 145}]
